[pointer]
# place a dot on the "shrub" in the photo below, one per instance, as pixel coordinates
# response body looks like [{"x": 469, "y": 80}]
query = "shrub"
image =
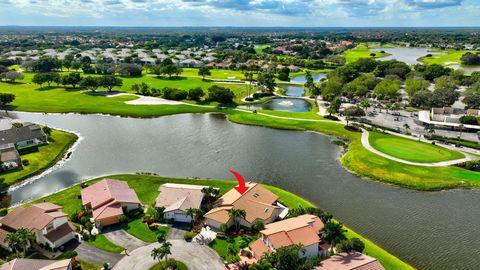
[
  {"x": 332, "y": 117},
  {"x": 3, "y": 212},
  {"x": 174, "y": 93},
  {"x": 84, "y": 185},
  {"x": 70, "y": 254},
  {"x": 258, "y": 225},
  {"x": 188, "y": 236},
  {"x": 221, "y": 236},
  {"x": 195, "y": 93},
  {"x": 249, "y": 99},
  {"x": 153, "y": 227},
  {"x": 25, "y": 162},
  {"x": 220, "y": 94},
  {"x": 223, "y": 227},
  {"x": 123, "y": 219},
  {"x": 469, "y": 120}
]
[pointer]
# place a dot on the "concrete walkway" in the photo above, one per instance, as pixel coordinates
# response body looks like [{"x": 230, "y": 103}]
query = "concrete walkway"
[
  {"x": 366, "y": 144},
  {"x": 121, "y": 238},
  {"x": 195, "y": 256}
]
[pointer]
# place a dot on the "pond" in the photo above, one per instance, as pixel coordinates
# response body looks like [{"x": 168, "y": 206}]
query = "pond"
[
  {"x": 282, "y": 104},
  {"x": 467, "y": 69},
  {"x": 407, "y": 55},
  {"x": 293, "y": 90},
  {"x": 431, "y": 230},
  {"x": 301, "y": 79}
]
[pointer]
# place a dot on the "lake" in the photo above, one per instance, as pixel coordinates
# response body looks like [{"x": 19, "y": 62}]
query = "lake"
[
  {"x": 301, "y": 79},
  {"x": 407, "y": 55},
  {"x": 282, "y": 104},
  {"x": 431, "y": 230}
]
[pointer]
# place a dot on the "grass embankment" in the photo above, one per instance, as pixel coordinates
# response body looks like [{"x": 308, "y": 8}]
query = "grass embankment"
[
  {"x": 40, "y": 161},
  {"x": 361, "y": 51},
  {"x": 411, "y": 150},
  {"x": 367, "y": 164},
  {"x": 146, "y": 188},
  {"x": 163, "y": 265}
]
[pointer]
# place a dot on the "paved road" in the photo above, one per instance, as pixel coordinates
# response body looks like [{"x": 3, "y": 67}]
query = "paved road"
[
  {"x": 121, "y": 238},
  {"x": 366, "y": 144},
  {"x": 177, "y": 231},
  {"x": 93, "y": 254},
  {"x": 195, "y": 256}
]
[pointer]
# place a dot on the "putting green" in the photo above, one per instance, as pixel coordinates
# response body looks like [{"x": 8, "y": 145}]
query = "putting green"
[{"x": 411, "y": 150}]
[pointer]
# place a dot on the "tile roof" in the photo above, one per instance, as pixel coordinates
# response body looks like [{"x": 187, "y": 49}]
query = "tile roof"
[
  {"x": 350, "y": 261},
  {"x": 60, "y": 232},
  {"x": 34, "y": 264},
  {"x": 35, "y": 216},
  {"x": 15, "y": 135},
  {"x": 104, "y": 197},
  {"x": 181, "y": 197},
  {"x": 256, "y": 201},
  {"x": 259, "y": 248}
]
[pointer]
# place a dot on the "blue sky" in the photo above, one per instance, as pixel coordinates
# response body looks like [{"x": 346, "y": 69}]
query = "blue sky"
[{"x": 240, "y": 12}]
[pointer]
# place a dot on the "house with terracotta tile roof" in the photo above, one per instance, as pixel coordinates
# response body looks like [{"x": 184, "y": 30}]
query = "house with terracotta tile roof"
[
  {"x": 177, "y": 198},
  {"x": 303, "y": 230},
  {"x": 258, "y": 203},
  {"x": 109, "y": 199},
  {"x": 35, "y": 264},
  {"x": 46, "y": 220},
  {"x": 350, "y": 261}
]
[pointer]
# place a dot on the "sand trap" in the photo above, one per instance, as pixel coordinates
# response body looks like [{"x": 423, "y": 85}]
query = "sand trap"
[{"x": 144, "y": 100}]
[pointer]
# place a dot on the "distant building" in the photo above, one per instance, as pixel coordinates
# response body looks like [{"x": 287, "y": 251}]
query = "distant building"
[
  {"x": 258, "y": 203},
  {"x": 36, "y": 264},
  {"x": 46, "y": 220},
  {"x": 109, "y": 199},
  {"x": 303, "y": 230},
  {"x": 448, "y": 117},
  {"x": 177, "y": 199}
]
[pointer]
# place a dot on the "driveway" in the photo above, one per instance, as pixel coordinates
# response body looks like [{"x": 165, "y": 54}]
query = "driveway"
[
  {"x": 195, "y": 256},
  {"x": 93, "y": 254},
  {"x": 177, "y": 231},
  {"x": 121, "y": 238}
]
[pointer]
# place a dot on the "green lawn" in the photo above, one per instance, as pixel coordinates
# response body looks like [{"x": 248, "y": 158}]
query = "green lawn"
[
  {"x": 162, "y": 265},
  {"x": 361, "y": 51},
  {"x": 367, "y": 164},
  {"x": 146, "y": 189},
  {"x": 238, "y": 242},
  {"x": 141, "y": 231},
  {"x": 39, "y": 161},
  {"x": 448, "y": 57},
  {"x": 88, "y": 265},
  {"x": 411, "y": 150},
  {"x": 101, "y": 242}
]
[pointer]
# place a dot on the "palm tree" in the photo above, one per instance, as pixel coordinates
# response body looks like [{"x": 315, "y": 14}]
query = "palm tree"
[
  {"x": 249, "y": 77},
  {"x": 460, "y": 127},
  {"x": 21, "y": 239},
  {"x": 194, "y": 213},
  {"x": 161, "y": 252},
  {"x": 334, "y": 232},
  {"x": 237, "y": 215},
  {"x": 406, "y": 126}
]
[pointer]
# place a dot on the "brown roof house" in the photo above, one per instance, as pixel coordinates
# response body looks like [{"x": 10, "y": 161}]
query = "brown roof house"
[
  {"x": 109, "y": 199},
  {"x": 258, "y": 203},
  {"x": 46, "y": 220},
  {"x": 302, "y": 230},
  {"x": 177, "y": 198},
  {"x": 34, "y": 264},
  {"x": 350, "y": 261}
]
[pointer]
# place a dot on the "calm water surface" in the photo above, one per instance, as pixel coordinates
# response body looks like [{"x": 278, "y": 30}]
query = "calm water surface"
[
  {"x": 407, "y": 55},
  {"x": 436, "y": 230},
  {"x": 282, "y": 104}
]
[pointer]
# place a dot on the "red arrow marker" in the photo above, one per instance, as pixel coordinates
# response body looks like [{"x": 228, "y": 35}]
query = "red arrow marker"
[{"x": 241, "y": 188}]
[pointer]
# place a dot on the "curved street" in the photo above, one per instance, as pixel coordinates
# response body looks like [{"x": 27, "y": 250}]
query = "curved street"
[{"x": 195, "y": 256}]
